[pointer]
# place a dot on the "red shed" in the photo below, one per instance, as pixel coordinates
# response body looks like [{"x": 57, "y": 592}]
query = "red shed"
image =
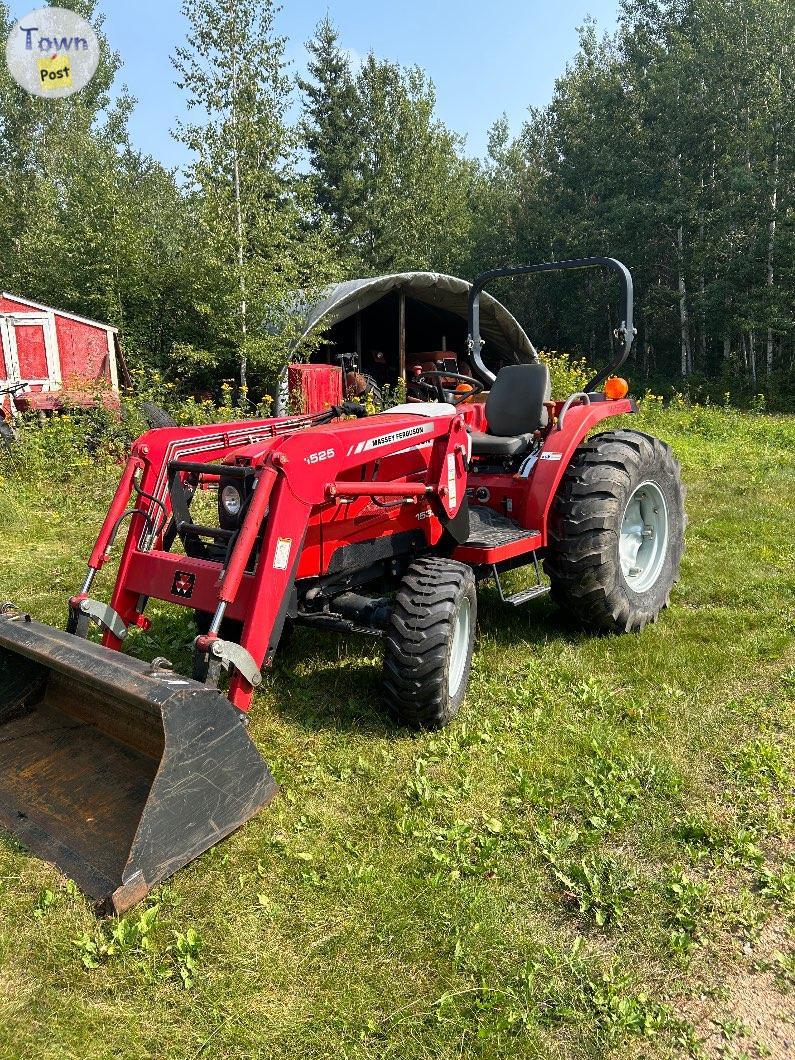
[{"x": 53, "y": 351}]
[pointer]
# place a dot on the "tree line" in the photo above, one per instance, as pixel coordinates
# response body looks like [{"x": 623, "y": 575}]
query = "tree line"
[{"x": 669, "y": 144}]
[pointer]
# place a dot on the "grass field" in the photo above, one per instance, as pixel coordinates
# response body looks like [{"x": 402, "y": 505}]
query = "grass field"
[{"x": 597, "y": 857}]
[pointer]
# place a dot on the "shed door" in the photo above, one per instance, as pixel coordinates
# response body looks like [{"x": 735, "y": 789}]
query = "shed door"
[
  {"x": 8, "y": 363},
  {"x": 29, "y": 350}
]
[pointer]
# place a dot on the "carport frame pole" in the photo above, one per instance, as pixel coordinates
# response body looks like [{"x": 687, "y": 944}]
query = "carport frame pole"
[{"x": 402, "y": 335}]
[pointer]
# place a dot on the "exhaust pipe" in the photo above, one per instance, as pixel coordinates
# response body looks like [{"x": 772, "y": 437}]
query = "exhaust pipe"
[{"x": 116, "y": 771}]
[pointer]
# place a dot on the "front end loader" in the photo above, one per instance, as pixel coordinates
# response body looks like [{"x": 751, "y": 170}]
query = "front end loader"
[{"x": 120, "y": 772}]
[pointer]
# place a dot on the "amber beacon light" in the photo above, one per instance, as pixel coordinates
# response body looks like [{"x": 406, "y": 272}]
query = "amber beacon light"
[{"x": 616, "y": 388}]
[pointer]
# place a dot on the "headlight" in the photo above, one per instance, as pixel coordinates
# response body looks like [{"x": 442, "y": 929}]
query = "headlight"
[{"x": 231, "y": 500}]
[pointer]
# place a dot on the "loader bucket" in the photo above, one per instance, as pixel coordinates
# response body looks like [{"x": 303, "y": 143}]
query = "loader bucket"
[{"x": 116, "y": 771}]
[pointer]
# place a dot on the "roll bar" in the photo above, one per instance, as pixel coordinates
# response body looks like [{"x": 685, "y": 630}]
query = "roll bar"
[{"x": 625, "y": 332}]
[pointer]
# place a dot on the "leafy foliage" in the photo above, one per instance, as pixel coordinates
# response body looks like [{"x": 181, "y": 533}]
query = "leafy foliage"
[
  {"x": 388, "y": 173},
  {"x": 257, "y": 245},
  {"x": 669, "y": 146}
]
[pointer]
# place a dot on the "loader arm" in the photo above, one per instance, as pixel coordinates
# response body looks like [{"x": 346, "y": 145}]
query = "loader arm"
[
  {"x": 120, "y": 771},
  {"x": 295, "y": 475}
]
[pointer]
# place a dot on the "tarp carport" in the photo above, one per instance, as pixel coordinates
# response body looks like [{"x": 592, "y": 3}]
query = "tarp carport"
[{"x": 413, "y": 312}]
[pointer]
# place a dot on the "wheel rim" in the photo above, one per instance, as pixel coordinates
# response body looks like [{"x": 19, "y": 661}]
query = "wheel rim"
[
  {"x": 643, "y": 543},
  {"x": 460, "y": 646}
]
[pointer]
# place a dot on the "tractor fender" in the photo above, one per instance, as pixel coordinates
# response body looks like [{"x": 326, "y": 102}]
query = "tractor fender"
[{"x": 556, "y": 455}]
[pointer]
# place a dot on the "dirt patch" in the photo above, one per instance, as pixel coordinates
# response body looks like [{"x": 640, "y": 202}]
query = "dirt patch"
[{"x": 753, "y": 1015}]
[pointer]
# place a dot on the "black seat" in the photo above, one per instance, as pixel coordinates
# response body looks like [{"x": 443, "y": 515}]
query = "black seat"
[{"x": 514, "y": 410}]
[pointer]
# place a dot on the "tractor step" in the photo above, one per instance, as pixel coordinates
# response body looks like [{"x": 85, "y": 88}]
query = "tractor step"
[
  {"x": 494, "y": 538},
  {"x": 526, "y": 595}
]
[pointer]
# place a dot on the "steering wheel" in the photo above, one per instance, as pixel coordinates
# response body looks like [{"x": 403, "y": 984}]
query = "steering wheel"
[{"x": 442, "y": 393}]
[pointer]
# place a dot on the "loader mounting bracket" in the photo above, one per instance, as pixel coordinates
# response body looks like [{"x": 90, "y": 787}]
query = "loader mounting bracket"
[
  {"x": 84, "y": 610},
  {"x": 214, "y": 654}
]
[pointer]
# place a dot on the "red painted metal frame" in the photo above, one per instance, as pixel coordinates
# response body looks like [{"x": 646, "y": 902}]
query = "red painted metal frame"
[
  {"x": 555, "y": 457},
  {"x": 153, "y": 573},
  {"x": 295, "y": 472},
  {"x": 530, "y": 498},
  {"x": 487, "y": 556}
]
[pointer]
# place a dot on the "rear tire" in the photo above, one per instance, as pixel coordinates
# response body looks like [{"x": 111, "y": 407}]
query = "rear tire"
[
  {"x": 155, "y": 416},
  {"x": 616, "y": 531},
  {"x": 373, "y": 391},
  {"x": 361, "y": 386},
  {"x": 429, "y": 643}
]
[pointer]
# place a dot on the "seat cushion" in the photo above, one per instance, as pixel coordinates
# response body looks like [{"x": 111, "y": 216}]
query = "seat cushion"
[
  {"x": 515, "y": 404},
  {"x": 492, "y": 445}
]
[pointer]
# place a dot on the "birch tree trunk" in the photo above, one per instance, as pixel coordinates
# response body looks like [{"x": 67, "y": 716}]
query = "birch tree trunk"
[
  {"x": 702, "y": 301},
  {"x": 239, "y": 232},
  {"x": 684, "y": 316},
  {"x": 771, "y": 245}
]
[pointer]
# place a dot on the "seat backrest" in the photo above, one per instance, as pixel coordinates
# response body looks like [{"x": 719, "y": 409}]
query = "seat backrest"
[{"x": 515, "y": 404}]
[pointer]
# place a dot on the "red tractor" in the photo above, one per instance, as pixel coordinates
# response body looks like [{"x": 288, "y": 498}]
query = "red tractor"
[{"x": 121, "y": 771}]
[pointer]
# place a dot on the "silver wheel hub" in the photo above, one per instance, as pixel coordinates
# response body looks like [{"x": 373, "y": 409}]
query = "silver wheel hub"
[
  {"x": 459, "y": 646},
  {"x": 643, "y": 542}
]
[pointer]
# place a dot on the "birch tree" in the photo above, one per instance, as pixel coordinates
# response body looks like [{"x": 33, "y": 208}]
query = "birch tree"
[{"x": 252, "y": 230}]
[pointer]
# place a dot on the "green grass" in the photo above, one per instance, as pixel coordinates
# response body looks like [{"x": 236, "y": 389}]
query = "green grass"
[{"x": 555, "y": 875}]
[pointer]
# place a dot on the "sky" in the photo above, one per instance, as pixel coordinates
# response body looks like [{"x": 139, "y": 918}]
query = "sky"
[{"x": 485, "y": 57}]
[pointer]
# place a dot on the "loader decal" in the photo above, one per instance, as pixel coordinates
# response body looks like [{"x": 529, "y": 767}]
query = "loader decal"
[
  {"x": 281, "y": 556},
  {"x": 183, "y": 584},
  {"x": 451, "y": 484},
  {"x": 388, "y": 439}
]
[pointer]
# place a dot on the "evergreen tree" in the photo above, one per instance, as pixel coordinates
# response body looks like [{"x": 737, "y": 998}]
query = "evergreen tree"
[
  {"x": 385, "y": 170},
  {"x": 329, "y": 130},
  {"x": 670, "y": 145},
  {"x": 413, "y": 203}
]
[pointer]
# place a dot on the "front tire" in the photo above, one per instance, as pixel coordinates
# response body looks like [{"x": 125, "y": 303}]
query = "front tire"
[
  {"x": 429, "y": 643},
  {"x": 616, "y": 531}
]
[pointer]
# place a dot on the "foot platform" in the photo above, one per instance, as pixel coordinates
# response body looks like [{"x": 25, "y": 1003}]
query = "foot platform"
[{"x": 494, "y": 538}]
